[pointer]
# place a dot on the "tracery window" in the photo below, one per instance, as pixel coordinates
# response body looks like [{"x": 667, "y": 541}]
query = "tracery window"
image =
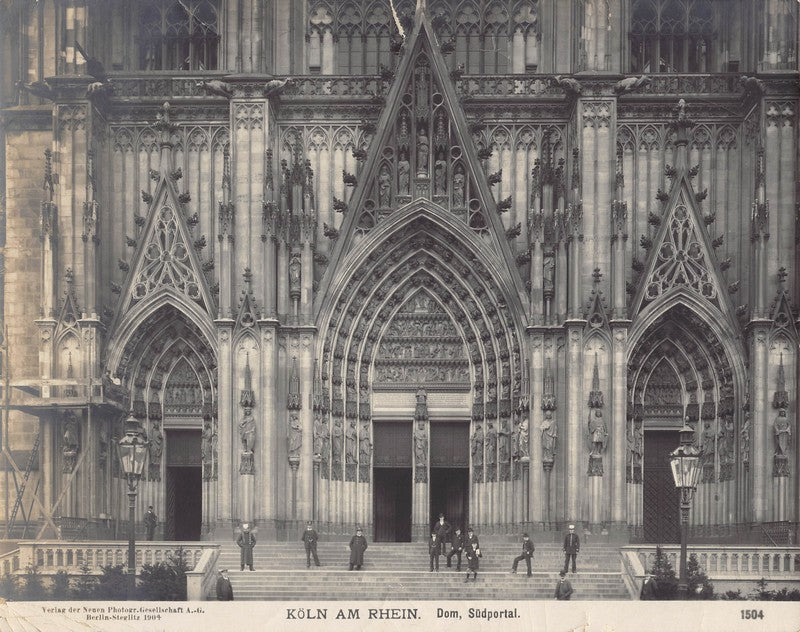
[
  {"x": 778, "y": 39},
  {"x": 672, "y": 36},
  {"x": 178, "y": 35},
  {"x": 490, "y": 36}
]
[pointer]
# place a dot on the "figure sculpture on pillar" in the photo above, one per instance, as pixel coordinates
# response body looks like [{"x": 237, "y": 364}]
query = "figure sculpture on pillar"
[
  {"x": 336, "y": 442},
  {"x": 709, "y": 442},
  {"x": 783, "y": 433},
  {"x": 294, "y": 437},
  {"x": 440, "y": 175},
  {"x": 503, "y": 437},
  {"x": 156, "y": 449},
  {"x": 247, "y": 430},
  {"x": 744, "y": 439},
  {"x": 477, "y": 445},
  {"x": 423, "y": 146},
  {"x": 351, "y": 444},
  {"x": 549, "y": 428},
  {"x": 70, "y": 443},
  {"x": 364, "y": 445},
  {"x": 598, "y": 432},
  {"x": 294, "y": 274},
  {"x": 491, "y": 444},
  {"x": 421, "y": 453},
  {"x": 403, "y": 174},
  {"x": 458, "y": 187},
  {"x": 548, "y": 275},
  {"x": 521, "y": 448},
  {"x": 384, "y": 187}
]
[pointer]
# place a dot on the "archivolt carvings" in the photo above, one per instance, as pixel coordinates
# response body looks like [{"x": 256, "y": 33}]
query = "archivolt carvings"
[{"x": 477, "y": 326}]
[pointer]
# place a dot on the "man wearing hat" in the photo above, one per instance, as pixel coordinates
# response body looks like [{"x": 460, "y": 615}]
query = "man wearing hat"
[
  {"x": 246, "y": 542},
  {"x": 649, "y": 588},
  {"x": 572, "y": 544},
  {"x": 563, "y": 587},
  {"x": 150, "y": 522},
  {"x": 310, "y": 541},
  {"x": 456, "y": 548},
  {"x": 224, "y": 588},
  {"x": 442, "y": 529},
  {"x": 527, "y": 554},
  {"x": 358, "y": 544},
  {"x": 472, "y": 540}
]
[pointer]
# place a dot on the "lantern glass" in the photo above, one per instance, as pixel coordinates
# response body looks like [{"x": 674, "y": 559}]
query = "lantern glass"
[
  {"x": 132, "y": 449},
  {"x": 685, "y": 468}
]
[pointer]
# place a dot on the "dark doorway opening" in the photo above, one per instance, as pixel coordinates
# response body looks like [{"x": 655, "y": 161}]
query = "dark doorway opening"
[
  {"x": 450, "y": 495},
  {"x": 661, "y": 519},
  {"x": 392, "y": 503},
  {"x": 184, "y": 503}
]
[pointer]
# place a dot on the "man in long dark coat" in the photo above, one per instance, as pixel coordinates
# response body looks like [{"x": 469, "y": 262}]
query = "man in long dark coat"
[
  {"x": 150, "y": 522},
  {"x": 527, "y": 554},
  {"x": 572, "y": 544},
  {"x": 358, "y": 544},
  {"x": 472, "y": 540},
  {"x": 649, "y": 589},
  {"x": 456, "y": 549},
  {"x": 224, "y": 588},
  {"x": 246, "y": 542},
  {"x": 442, "y": 529},
  {"x": 309, "y": 539},
  {"x": 563, "y": 587},
  {"x": 434, "y": 550},
  {"x": 473, "y": 553}
]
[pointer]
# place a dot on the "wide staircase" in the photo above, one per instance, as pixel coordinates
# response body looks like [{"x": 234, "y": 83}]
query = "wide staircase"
[{"x": 400, "y": 571}]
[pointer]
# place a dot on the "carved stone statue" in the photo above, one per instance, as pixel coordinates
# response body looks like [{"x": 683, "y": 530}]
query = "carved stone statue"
[
  {"x": 156, "y": 444},
  {"x": 783, "y": 432},
  {"x": 725, "y": 441},
  {"x": 247, "y": 430},
  {"x": 440, "y": 175},
  {"x": 503, "y": 440},
  {"x": 549, "y": 430},
  {"x": 548, "y": 273},
  {"x": 403, "y": 175},
  {"x": 709, "y": 440},
  {"x": 491, "y": 444},
  {"x": 423, "y": 147},
  {"x": 295, "y": 436},
  {"x": 421, "y": 445},
  {"x": 70, "y": 443},
  {"x": 364, "y": 445},
  {"x": 205, "y": 443},
  {"x": 320, "y": 427},
  {"x": 598, "y": 432},
  {"x": 521, "y": 447},
  {"x": 635, "y": 446},
  {"x": 384, "y": 187},
  {"x": 421, "y": 411},
  {"x": 351, "y": 444},
  {"x": 294, "y": 273},
  {"x": 744, "y": 438},
  {"x": 336, "y": 441},
  {"x": 458, "y": 187},
  {"x": 477, "y": 445}
]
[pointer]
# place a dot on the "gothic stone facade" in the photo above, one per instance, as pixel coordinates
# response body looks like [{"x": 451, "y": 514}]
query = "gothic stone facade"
[{"x": 344, "y": 265}]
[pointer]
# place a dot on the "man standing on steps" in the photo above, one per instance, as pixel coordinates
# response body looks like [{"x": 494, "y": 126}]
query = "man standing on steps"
[
  {"x": 246, "y": 542},
  {"x": 358, "y": 544},
  {"x": 309, "y": 539},
  {"x": 527, "y": 554},
  {"x": 434, "y": 550},
  {"x": 473, "y": 554},
  {"x": 442, "y": 529},
  {"x": 224, "y": 588},
  {"x": 572, "y": 544},
  {"x": 456, "y": 549},
  {"x": 649, "y": 588},
  {"x": 563, "y": 587},
  {"x": 150, "y": 522}
]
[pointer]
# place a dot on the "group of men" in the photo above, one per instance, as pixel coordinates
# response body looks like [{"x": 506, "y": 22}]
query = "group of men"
[{"x": 467, "y": 545}]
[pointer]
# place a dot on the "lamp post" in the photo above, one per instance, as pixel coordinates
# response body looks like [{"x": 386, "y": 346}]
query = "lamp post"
[
  {"x": 685, "y": 462},
  {"x": 132, "y": 450}
]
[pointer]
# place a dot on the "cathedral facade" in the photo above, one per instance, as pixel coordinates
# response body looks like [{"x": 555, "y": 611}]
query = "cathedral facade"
[{"x": 362, "y": 262}]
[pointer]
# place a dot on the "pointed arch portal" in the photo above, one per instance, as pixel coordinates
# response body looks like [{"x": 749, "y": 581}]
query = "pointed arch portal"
[
  {"x": 169, "y": 370},
  {"x": 679, "y": 368}
]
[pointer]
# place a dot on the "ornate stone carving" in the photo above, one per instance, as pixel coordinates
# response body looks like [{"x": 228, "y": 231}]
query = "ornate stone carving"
[
  {"x": 635, "y": 450},
  {"x": 156, "y": 448},
  {"x": 549, "y": 430},
  {"x": 783, "y": 432},
  {"x": 70, "y": 442},
  {"x": 421, "y": 452}
]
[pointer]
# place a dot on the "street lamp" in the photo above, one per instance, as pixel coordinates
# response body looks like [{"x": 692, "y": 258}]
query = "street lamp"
[
  {"x": 132, "y": 450},
  {"x": 685, "y": 462}
]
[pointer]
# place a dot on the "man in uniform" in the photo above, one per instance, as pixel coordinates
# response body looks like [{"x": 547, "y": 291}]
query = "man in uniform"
[
  {"x": 473, "y": 554},
  {"x": 224, "y": 588},
  {"x": 457, "y": 548},
  {"x": 472, "y": 540},
  {"x": 434, "y": 550},
  {"x": 150, "y": 522},
  {"x": 563, "y": 587},
  {"x": 246, "y": 542},
  {"x": 309, "y": 539},
  {"x": 527, "y": 554},
  {"x": 572, "y": 544},
  {"x": 358, "y": 544}
]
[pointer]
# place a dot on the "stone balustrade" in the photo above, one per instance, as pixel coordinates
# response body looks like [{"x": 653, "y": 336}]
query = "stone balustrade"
[
  {"x": 729, "y": 562},
  {"x": 49, "y": 557}
]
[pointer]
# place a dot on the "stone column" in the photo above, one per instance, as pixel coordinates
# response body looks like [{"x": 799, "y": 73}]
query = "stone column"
[
  {"x": 573, "y": 422},
  {"x": 619, "y": 429},
  {"x": 762, "y": 455},
  {"x": 228, "y": 419},
  {"x": 536, "y": 489},
  {"x": 267, "y": 453}
]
